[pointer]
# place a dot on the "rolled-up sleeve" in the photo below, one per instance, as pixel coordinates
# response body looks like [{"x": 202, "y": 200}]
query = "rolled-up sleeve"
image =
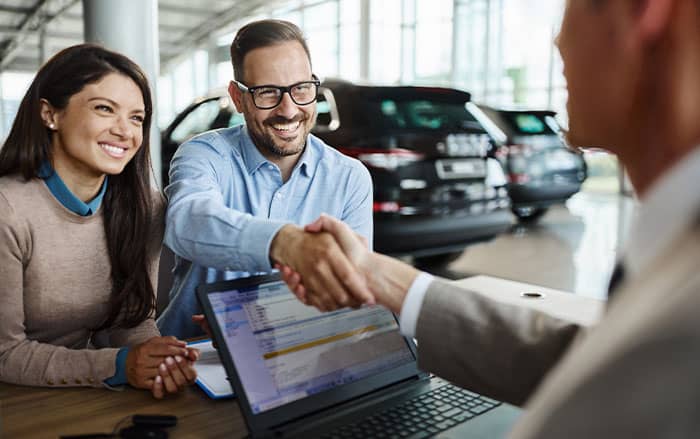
[
  {"x": 199, "y": 225},
  {"x": 357, "y": 212}
]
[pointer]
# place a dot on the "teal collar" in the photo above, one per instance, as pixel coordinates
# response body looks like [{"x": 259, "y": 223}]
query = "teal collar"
[{"x": 59, "y": 190}]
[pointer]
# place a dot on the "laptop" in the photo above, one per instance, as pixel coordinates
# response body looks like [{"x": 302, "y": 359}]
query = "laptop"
[{"x": 298, "y": 372}]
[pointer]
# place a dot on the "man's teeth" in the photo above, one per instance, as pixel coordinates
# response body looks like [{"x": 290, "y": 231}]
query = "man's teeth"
[
  {"x": 112, "y": 149},
  {"x": 286, "y": 126}
]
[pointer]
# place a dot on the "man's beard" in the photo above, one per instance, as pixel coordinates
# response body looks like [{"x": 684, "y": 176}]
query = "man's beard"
[{"x": 266, "y": 142}]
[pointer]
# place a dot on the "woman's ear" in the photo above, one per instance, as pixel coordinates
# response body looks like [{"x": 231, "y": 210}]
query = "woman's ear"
[{"x": 48, "y": 115}]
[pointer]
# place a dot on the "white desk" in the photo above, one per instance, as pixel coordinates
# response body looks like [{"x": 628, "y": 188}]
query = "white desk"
[{"x": 567, "y": 306}]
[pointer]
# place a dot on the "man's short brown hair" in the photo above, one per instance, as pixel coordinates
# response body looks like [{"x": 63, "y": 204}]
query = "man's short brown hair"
[{"x": 263, "y": 33}]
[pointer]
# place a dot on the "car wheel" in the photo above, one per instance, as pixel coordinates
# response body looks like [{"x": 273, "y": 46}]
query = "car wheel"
[
  {"x": 529, "y": 214},
  {"x": 436, "y": 260}
]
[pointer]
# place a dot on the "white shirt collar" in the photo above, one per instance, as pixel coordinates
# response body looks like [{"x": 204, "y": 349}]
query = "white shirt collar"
[{"x": 666, "y": 211}]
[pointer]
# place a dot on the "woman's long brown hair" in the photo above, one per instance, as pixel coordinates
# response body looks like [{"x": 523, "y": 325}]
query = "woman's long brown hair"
[{"x": 128, "y": 203}]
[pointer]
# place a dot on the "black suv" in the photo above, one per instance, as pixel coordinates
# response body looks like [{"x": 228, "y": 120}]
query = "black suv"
[
  {"x": 427, "y": 155},
  {"x": 540, "y": 169}
]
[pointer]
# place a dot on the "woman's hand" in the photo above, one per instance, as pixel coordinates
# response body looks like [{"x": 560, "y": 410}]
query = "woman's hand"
[
  {"x": 144, "y": 370},
  {"x": 175, "y": 373}
]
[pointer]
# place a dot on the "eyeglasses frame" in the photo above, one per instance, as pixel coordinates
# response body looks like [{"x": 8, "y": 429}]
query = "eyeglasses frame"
[{"x": 288, "y": 89}]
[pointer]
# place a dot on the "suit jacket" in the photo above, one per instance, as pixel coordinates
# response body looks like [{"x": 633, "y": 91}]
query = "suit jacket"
[{"x": 635, "y": 375}]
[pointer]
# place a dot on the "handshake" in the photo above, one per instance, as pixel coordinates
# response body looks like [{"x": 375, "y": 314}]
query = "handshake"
[{"x": 329, "y": 266}]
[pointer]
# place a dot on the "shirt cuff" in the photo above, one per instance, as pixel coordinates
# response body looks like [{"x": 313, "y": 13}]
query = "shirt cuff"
[
  {"x": 413, "y": 303},
  {"x": 256, "y": 242},
  {"x": 119, "y": 377}
]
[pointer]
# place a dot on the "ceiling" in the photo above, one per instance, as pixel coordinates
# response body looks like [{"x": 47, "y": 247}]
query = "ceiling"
[{"x": 183, "y": 25}]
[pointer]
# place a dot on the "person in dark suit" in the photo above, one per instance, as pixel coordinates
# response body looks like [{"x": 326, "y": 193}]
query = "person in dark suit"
[{"x": 633, "y": 74}]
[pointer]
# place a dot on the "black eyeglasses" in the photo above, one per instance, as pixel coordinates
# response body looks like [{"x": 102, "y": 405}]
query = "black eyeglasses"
[{"x": 266, "y": 97}]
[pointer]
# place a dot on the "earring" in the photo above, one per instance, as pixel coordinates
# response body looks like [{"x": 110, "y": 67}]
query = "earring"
[{"x": 52, "y": 126}]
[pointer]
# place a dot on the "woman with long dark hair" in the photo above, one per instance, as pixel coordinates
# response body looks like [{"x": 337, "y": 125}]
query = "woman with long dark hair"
[{"x": 81, "y": 231}]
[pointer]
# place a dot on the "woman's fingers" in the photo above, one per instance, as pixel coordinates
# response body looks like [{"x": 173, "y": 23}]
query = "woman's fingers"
[
  {"x": 157, "y": 387},
  {"x": 168, "y": 381}
]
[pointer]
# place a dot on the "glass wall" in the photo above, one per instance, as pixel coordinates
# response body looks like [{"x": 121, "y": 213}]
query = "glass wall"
[
  {"x": 501, "y": 51},
  {"x": 13, "y": 85}
]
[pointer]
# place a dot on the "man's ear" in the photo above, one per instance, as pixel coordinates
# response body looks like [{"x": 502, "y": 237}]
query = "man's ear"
[
  {"x": 48, "y": 115},
  {"x": 236, "y": 96},
  {"x": 653, "y": 17}
]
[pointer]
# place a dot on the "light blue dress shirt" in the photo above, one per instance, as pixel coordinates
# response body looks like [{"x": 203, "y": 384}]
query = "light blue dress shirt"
[{"x": 226, "y": 202}]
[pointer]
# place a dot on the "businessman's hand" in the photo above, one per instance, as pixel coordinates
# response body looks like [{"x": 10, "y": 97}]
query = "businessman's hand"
[
  {"x": 330, "y": 279},
  {"x": 388, "y": 279},
  {"x": 354, "y": 249}
]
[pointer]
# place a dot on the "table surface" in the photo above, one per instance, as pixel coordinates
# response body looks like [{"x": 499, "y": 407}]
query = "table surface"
[
  {"x": 36, "y": 412},
  {"x": 562, "y": 304}
]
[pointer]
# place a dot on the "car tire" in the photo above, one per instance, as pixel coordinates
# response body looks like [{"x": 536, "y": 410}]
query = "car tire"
[{"x": 529, "y": 214}]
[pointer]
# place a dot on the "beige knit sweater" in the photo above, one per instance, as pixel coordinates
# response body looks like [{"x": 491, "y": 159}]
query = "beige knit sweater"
[{"x": 54, "y": 286}]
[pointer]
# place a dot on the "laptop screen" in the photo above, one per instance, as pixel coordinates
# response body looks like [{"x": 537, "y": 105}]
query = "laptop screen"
[{"x": 284, "y": 350}]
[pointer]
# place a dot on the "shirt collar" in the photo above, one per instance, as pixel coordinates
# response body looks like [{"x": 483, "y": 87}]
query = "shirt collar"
[
  {"x": 253, "y": 158},
  {"x": 668, "y": 209},
  {"x": 64, "y": 195}
]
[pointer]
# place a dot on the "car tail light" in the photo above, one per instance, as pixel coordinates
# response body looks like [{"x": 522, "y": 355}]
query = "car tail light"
[
  {"x": 520, "y": 149},
  {"x": 385, "y": 206},
  {"x": 518, "y": 178},
  {"x": 501, "y": 153},
  {"x": 518, "y": 163},
  {"x": 389, "y": 159}
]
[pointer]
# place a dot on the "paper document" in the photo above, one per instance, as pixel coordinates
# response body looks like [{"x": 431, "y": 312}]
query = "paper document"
[{"x": 211, "y": 375}]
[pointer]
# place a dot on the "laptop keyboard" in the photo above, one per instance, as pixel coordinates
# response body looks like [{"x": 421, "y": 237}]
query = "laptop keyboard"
[{"x": 423, "y": 416}]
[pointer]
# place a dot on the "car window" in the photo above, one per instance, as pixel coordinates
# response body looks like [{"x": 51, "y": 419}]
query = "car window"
[
  {"x": 323, "y": 110},
  {"x": 529, "y": 124},
  {"x": 423, "y": 114},
  {"x": 327, "y": 118},
  {"x": 197, "y": 121},
  {"x": 236, "y": 119}
]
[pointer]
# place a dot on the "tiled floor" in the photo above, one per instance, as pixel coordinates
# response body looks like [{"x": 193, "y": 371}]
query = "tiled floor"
[{"x": 572, "y": 248}]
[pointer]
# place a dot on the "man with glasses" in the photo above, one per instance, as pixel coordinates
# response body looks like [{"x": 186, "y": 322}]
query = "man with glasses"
[{"x": 236, "y": 195}]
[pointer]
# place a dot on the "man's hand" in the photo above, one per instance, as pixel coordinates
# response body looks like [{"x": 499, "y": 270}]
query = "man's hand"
[
  {"x": 323, "y": 266},
  {"x": 388, "y": 279},
  {"x": 202, "y": 322},
  {"x": 148, "y": 367}
]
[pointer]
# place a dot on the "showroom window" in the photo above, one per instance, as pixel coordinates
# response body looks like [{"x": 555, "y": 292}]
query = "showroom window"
[
  {"x": 501, "y": 51},
  {"x": 13, "y": 85},
  {"x": 433, "y": 41}
]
